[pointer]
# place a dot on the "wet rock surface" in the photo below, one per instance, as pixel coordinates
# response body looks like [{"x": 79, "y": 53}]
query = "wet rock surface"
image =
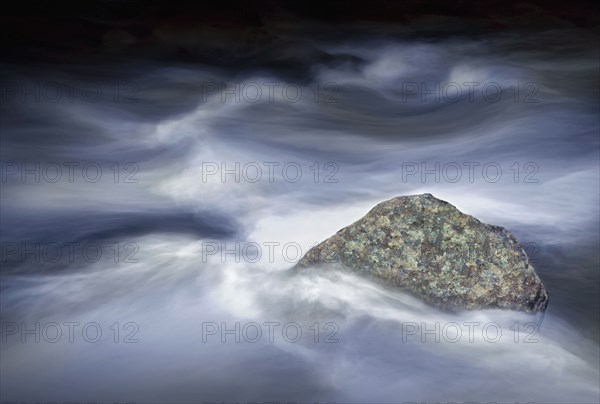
[{"x": 429, "y": 248}]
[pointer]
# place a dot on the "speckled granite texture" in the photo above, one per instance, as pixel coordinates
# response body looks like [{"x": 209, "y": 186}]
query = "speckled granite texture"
[{"x": 428, "y": 247}]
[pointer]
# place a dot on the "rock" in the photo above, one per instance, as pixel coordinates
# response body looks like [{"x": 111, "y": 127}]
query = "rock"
[{"x": 428, "y": 247}]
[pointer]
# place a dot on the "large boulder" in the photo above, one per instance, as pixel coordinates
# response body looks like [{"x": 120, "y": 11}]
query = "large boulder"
[{"x": 428, "y": 247}]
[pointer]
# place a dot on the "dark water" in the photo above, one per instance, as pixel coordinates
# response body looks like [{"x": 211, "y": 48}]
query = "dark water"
[{"x": 351, "y": 112}]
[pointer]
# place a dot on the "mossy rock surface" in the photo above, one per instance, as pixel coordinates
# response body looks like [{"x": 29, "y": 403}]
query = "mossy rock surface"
[{"x": 428, "y": 247}]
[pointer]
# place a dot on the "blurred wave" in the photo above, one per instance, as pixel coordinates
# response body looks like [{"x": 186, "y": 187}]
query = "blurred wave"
[
  {"x": 371, "y": 357},
  {"x": 372, "y": 131}
]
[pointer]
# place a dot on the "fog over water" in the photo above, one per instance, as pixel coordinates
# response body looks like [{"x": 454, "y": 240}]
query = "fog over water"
[{"x": 351, "y": 112}]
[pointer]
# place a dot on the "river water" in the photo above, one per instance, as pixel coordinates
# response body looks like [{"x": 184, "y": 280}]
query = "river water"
[{"x": 191, "y": 190}]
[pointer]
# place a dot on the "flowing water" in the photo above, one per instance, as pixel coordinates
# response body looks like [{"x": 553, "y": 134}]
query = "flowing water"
[{"x": 343, "y": 136}]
